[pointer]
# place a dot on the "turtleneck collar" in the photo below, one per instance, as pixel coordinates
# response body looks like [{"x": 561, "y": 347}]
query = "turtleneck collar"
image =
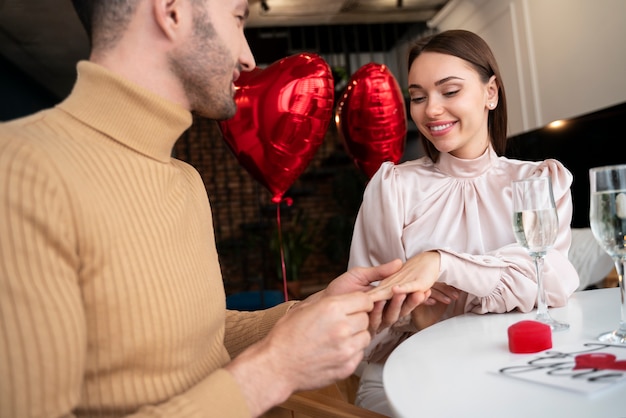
[
  {"x": 457, "y": 167},
  {"x": 126, "y": 112}
]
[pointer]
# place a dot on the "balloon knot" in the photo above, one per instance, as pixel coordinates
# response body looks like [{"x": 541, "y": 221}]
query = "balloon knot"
[{"x": 280, "y": 199}]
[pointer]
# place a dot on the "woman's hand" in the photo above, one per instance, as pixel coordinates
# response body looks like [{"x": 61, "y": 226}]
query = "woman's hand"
[
  {"x": 418, "y": 274},
  {"x": 432, "y": 311}
]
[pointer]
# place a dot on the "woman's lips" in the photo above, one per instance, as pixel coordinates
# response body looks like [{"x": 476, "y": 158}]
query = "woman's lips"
[{"x": 440, "y": 128}]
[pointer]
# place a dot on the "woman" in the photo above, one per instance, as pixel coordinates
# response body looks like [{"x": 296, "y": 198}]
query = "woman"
[{"x": 449, "y": 214}]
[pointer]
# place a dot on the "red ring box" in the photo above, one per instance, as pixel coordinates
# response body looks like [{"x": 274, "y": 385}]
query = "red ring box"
[{"x": 529, "y": 337}]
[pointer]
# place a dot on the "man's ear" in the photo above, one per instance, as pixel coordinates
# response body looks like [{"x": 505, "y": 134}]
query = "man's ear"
[{"x": 167, "y": 15}]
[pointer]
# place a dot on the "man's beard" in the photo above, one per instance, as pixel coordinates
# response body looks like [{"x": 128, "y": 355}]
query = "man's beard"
[{"x": 202, "y": 68}]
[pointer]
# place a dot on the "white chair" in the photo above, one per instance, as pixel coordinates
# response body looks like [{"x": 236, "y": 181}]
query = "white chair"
[{"x": 592, "y": 263}]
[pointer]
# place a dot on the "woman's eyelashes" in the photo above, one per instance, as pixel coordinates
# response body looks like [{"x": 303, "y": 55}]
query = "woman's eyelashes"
[
  {"x": 419, "y": 98},
  {"x": 451, "y": 93}
]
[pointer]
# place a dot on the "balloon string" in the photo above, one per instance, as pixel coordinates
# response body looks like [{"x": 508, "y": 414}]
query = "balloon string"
[
  {"x": 282, "y": 252},
  {"x": 289, "y": 202}
]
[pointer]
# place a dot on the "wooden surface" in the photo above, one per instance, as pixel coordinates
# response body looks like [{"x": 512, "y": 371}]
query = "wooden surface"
[
  {"x": 611, "y": 280},
  {"x": 333, "y": 401}
]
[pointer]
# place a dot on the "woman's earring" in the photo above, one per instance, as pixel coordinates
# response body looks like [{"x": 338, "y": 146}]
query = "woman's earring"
[{"x": 492, "y": 105}]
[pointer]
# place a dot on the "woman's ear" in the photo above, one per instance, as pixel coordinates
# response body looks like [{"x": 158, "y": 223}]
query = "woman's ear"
[{"x": 492, "y": 92}]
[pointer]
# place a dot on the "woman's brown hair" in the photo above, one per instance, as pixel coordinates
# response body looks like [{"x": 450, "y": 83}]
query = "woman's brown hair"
[{"x": 473, "y": 49}]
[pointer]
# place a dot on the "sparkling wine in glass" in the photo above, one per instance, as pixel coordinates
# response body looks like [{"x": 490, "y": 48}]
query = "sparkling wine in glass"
[
  {"x": 607, "y": 216},
  {"x": 536, "y": 225}
]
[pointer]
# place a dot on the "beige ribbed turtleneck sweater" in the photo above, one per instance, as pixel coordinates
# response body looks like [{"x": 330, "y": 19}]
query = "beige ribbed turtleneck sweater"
[{"x": 111, "y": 296}]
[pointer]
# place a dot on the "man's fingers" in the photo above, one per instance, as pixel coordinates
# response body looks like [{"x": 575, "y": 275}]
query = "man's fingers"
[
  {"x": 383, "y": 271},
  {"x": 381, "y": 292},
  {"x": 393, "y": 310},
  {"x": 353, "y": 303},
  {"x": 376, "y": 316},
  {"x": 390, "y": 268}
]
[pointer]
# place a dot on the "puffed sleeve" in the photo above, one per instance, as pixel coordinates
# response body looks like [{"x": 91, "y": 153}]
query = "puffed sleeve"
[
  {"x": 379, "y": 224},
  {"x": 504, "y": 279},
  {"x": 377, "y": 239}
]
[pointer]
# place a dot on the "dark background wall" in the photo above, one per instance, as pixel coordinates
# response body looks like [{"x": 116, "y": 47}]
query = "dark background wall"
[{"x": 19, "y": 94}]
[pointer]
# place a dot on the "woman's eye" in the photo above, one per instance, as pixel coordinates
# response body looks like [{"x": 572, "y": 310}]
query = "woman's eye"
[
  {"x": 450, "y": 93},
  {"x": 418, "y": 99}
]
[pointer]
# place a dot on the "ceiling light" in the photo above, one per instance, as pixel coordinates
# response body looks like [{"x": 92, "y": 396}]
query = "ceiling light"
[{"x": 556, "y": 124}]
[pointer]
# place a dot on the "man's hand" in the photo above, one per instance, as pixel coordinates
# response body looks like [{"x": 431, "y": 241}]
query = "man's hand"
[
  {"x": 360, "y": 279},
  {"x": 386, "y": 312},
  {"x": 314, "y": 344}
]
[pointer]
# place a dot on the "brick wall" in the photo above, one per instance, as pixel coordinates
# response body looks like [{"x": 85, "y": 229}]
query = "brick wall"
[{"x": 326, "y": 197}]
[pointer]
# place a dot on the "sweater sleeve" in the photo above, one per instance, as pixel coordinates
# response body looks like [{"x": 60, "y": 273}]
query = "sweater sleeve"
[
  {"x": 42, "y": 322},
  {"x": 245, "y": 328},
  {"x": 217, "y": 395}
]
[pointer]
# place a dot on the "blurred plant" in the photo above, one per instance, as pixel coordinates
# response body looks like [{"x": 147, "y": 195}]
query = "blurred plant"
[{"x": 300, "y": 238}]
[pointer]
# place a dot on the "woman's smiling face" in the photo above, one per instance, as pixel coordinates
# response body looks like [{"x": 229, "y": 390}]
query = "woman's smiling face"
[{"x": 450, "y": 104}]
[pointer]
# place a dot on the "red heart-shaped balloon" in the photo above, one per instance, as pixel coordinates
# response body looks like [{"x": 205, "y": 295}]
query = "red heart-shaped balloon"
[
  {"x": 283, "y": 112},
  {"x": 371, "y": 118},
  {"x": 599, "y": 361}
]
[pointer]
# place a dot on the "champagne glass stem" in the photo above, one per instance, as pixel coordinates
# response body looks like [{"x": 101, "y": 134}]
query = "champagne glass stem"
[
  {"x": 618, "y": 336},
  {"x": 619, "y": 267},
  {"x": 542, "y": 307}
]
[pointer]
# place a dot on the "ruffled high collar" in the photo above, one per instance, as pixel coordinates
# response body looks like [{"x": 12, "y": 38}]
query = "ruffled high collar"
[{"x": 457, "y": 167}]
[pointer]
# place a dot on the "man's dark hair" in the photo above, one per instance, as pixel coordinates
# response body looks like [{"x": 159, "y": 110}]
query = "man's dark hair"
[
  {"x": 84, "y": 10},
  {"x": 104, "y": 20}
]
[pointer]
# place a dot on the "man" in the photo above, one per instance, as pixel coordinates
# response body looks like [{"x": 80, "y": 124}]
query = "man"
[{"x": 111, "y": 298}]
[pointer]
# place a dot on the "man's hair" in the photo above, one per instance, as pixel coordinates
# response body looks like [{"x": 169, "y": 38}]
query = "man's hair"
[{"x": 104, "y": 20}]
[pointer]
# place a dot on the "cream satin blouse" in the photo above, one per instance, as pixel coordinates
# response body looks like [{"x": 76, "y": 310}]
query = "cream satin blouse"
[{"x": 463, "y": 209}]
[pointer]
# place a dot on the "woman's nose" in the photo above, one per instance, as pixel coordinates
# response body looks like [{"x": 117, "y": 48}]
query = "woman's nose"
[{"x": 433, "y": 108}]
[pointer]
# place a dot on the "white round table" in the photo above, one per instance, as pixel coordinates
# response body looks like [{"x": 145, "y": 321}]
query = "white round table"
[{"x": 446, "y": 369}]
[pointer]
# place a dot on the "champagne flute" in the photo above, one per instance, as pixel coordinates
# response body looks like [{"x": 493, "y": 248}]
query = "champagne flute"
[
  {"x": 536, "y": 225},
  {"x": 607, "y": 216}
]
